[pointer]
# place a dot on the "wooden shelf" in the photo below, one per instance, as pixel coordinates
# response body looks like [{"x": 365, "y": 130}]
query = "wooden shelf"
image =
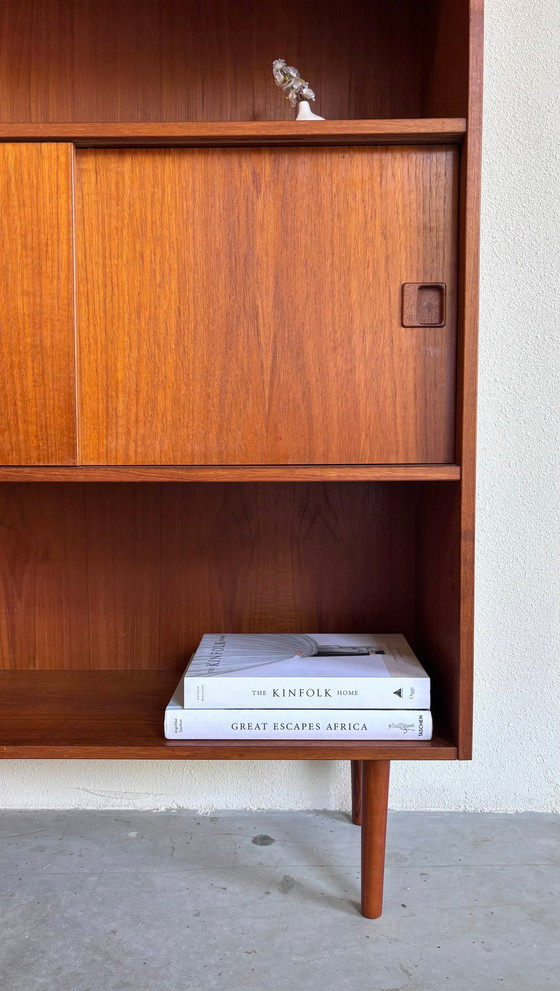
[
  {"x": 236, "y": 473},
  {"x": 119, "y": 714},
  {"x": 427, "y": 130}
]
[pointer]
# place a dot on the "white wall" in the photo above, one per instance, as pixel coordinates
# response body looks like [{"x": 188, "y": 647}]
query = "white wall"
[{"x": 517, "y": 754}]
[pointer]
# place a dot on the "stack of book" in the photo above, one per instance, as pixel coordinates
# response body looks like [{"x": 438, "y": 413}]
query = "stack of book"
[{"x": 301, "y": 687}]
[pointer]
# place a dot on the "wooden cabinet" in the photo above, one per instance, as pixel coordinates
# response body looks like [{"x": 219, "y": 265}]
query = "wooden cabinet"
[
  {"x": 244, "y": 306},
  {"x": 239, "y": 359}
]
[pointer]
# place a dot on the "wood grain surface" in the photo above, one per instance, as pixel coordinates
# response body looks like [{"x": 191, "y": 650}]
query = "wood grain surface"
[
  {"x": 131, "y": 576},
  {"x": 243, "y": 306},
  {"x": 125, "y": 577},
  {"x": 240, "y": 473},
  {"x": 37, "y": 385},
  {"x": 356, "y": 781},
  {"x": 375, "y": 796},
  {"x": 467, "y": 366},
  {"x": 438, "y": 600},
  {"x": 101, "y": 60},
  {"x": 240, "y": 133},
  {"x": 119, "y": 714},
  {"x": 446, "y": 64}
]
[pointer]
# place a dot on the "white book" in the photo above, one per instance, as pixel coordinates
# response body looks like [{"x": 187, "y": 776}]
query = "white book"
[
  {"x": 311, "y": 671},
  {"x": 293, "y": 724}
]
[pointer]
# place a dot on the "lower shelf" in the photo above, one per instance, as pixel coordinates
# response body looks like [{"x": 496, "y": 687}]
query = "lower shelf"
[
  {"x": 231, "y": 473},
  {"x": 119, "y": 714}
]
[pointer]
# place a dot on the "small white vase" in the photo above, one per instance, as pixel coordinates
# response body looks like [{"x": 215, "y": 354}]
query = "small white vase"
[{"x": 305, "y": 112}]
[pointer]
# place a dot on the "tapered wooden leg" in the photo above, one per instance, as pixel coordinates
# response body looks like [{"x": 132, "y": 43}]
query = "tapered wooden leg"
[
  {"x": 375, "y": 795},
  {"x": 356, "y": 792}
]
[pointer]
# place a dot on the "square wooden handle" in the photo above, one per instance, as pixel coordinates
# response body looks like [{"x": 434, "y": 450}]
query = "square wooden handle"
[{"x": 423, "y": 304}]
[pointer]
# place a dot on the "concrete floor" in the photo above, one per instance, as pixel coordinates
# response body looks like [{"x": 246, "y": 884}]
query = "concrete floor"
[{"x": 140, "y": 901}]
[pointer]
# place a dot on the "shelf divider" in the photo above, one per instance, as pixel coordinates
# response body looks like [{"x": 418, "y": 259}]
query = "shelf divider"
[
  {"x": 428, "y": 130},
  {"x": 234, "y": 473}
]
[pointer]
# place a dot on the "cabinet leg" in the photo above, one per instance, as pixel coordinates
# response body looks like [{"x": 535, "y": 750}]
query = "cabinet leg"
[
  {"x": 375, "y": 794},
  {"x": 356, "y": 770}
]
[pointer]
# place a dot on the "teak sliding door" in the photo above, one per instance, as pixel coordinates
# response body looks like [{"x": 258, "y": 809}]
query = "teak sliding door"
[
  {"x": 37, "y": 384},
  {"x": 245, "y": 306}
]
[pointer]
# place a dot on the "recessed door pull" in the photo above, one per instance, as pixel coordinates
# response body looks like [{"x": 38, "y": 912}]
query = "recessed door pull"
[{"x": 423, "y": 304}]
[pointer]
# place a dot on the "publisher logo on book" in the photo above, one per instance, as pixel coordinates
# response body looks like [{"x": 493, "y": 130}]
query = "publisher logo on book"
[
  {"x": 408, "y": 727},
  {"x": 400, "y": 693}
]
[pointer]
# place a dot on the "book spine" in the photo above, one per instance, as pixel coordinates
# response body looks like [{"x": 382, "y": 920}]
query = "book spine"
[
  {"x": 325, "y": 693},
  {"x": 297, "y": 724}
]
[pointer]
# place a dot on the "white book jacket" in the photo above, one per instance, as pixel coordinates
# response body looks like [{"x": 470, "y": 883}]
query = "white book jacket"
[
  {"x": 293, "y": 724},
  {"x": 305, "y": 671}
]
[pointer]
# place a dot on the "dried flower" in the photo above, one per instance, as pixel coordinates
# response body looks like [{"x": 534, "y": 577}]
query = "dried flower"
[{"x": 290, "y": 81}]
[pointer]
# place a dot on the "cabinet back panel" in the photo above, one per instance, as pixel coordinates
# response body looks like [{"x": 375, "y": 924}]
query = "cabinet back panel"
[
  {"x": 243, "y": 306},
  {"x": 37, "y": 383},
  {"x": 134, "y": 60},
  {"x": 130, "y": 576}
]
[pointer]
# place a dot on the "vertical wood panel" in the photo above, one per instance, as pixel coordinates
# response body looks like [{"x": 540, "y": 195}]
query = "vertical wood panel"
[
  {"x": 469, "y": 265},
  {"x": 244, "y": 306},
  {"x": 37, "y": 385}
]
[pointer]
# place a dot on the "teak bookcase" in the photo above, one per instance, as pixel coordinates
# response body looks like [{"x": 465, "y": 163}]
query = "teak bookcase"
[{"x": 238, "y": 359}]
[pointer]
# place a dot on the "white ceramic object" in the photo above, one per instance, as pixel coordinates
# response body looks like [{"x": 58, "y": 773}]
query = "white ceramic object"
[
  {"x": 298, "y": 91},
  {"x": 305, "y": 112}
]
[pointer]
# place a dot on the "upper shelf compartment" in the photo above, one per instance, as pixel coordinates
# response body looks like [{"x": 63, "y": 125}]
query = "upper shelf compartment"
[{"x": 95, "y": 61}]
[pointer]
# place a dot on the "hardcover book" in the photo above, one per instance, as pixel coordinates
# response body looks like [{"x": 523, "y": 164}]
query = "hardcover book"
[
  {"x": 311, "y": 671},
  {"x": 293, "y": 724}
]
